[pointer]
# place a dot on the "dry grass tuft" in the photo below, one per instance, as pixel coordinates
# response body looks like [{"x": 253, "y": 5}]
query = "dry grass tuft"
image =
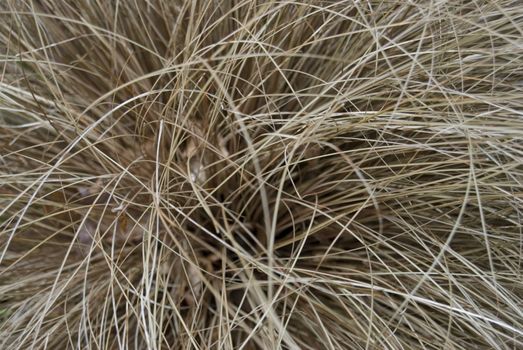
[{"x": 261, "y": 174}]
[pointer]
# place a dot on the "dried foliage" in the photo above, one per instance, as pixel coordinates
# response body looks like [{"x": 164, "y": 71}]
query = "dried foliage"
[{"x": 261, "y": 174}]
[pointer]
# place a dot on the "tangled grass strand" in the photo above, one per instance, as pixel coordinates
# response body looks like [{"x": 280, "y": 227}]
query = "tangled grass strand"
[{"x": 261, "y": 174}]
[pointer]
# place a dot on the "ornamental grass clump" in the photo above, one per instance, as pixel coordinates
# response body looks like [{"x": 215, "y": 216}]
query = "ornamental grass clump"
[{"x": 261, "y": 174}]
